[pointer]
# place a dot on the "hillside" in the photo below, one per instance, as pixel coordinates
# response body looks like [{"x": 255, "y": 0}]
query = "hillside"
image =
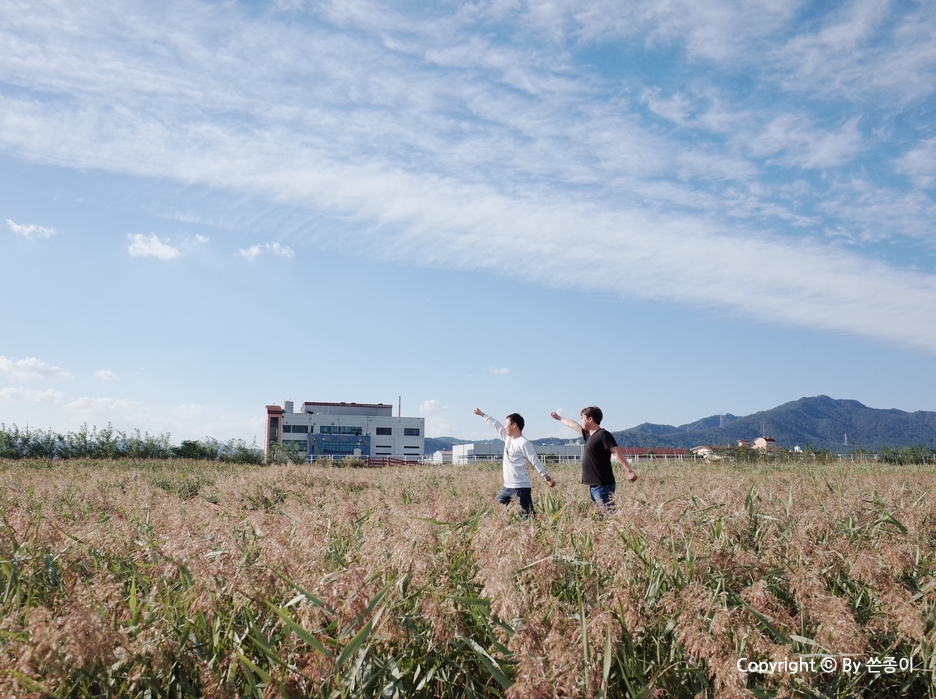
[{"x": 821, "y": 421}]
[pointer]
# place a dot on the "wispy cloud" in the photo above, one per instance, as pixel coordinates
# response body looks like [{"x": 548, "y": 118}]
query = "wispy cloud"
[
  {"x": 675, "y": 108},
  {"x": 718, "y": 30},
  {"x": 862, "y": 50},
  {"x": 30, "y": 369},
  {"x": 254, "y": 251},
  {"x": 151, "y": 246},
  {"x": 30, "y": 231},
  {"x": 512, "y": 149},
  {"x": 499, "y": 371},
  {"x": 919, "y": 164},
  {"x": 870, "y": 213},
  {"x": 105, "y": 375},
  {"x": 794, "y": 140},
  {"x": 29, "y": 395}
]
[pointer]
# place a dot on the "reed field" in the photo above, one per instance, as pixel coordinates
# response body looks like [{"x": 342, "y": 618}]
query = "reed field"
[{"x": 179, "y": 578}]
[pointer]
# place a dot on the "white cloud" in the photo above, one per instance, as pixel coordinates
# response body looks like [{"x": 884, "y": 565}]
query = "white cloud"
[
  {"x": 500, "y": 371},
  {"x": 30, "y": 231},
  {"x": 254, "y": 251},
  {"x": 675, "y": 108},
  {"x": 798, "y": 143},
  {"x": 189, "y": 410},
  {"x": 101, "y": 406},
  {"x": 30, "y": 369},
  {"x": 122, "y": 413},
  {"x": 201, "y": 239},
  {"x": 431, "y": 407},
  {"x": 842, "y": 32},
  {"x": 28, "y": 395},
  {"x": 150, "y": 246},
  {"x": 715, "y": 30},
  {"x": 871, "y": 213},
  {"x": 919, "y": 164},
  {"x": 105, "y": 375},
  {"x": 863, "y": 49}
]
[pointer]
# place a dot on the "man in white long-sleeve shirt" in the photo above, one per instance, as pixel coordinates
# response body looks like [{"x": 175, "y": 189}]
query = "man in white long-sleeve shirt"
[{"x": 518, "y": 452}]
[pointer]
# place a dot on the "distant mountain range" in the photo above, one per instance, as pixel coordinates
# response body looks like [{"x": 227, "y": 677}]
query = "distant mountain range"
[{"x": 820, "y": 421}]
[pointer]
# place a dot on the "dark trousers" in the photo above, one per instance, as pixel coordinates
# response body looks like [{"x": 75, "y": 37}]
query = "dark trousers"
[{"x": 525, "y": 495}]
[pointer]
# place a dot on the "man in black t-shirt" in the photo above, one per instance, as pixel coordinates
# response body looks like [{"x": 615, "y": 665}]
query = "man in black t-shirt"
[{"x": 600, "y": 446}]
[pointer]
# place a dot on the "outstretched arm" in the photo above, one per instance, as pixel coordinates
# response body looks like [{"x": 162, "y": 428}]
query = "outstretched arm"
[
  {"x": 499, "y": 428},
  {"x": 618, "y": 454},
  {"x": 530, "y": 453},
  {"x": 571, "y": 424}
]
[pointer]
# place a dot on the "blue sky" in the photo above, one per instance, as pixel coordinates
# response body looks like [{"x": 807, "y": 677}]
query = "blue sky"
[{"x": 670, "y": 209}]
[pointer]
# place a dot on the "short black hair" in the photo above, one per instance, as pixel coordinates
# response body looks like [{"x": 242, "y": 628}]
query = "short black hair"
[
  {"x": 594, "y": 413},
  {"x": 517, "y": 419}
]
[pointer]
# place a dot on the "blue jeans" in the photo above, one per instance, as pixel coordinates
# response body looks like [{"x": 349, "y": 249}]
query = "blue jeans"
[
  {"x": 524, "y": 495},
  {"x": 602, "y": 495}
]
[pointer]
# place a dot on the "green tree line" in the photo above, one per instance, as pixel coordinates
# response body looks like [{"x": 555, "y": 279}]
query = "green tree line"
[{"x": 108, "y": 443}]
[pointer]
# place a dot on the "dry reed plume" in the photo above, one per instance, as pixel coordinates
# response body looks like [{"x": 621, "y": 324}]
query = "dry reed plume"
[{"x": 191, "y": 579}]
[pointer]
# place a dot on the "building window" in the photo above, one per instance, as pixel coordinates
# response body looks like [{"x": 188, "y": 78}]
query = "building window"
[
  {"x": 340, "y": 429},
  {"x": 301, "y": 429},
  {"x": 340, "y": 447},
  {"x": 410, "y": 431},
  {"x": 382, "y": 446},
  {"x": 274, "y": 428},
  {"x": 384, "y": 431}
]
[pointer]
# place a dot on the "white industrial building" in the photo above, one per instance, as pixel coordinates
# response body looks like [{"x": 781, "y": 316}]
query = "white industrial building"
[
  {"x": 494, "y": 451},
  {"x": 337, "y": 430},
  {"x": 469, "y": 453}
]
